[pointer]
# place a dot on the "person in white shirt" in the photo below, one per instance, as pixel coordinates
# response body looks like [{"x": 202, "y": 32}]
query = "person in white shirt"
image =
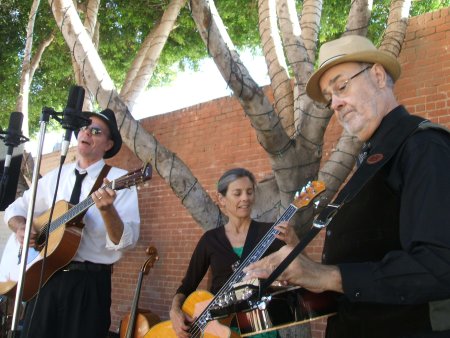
[{"x": 75, "y": 301}]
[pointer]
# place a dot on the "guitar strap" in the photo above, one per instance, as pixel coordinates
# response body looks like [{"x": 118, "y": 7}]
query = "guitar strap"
[
  {"x": 98, "y": 182},
  {"x": 105, "y": 170}
]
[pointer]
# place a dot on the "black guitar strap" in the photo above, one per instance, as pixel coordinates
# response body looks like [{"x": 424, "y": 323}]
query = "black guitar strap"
[{"x": 380, "y": 155}]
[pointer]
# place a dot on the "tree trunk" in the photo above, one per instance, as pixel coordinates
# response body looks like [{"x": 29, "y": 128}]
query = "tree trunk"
[
  {"x": 144, "y": 64},
  {"x": 176, "y": 174},
  {"x": 276, "y": 64},
  {"x": 295, "y": 155},
  {"x": 25, "y": 79}
]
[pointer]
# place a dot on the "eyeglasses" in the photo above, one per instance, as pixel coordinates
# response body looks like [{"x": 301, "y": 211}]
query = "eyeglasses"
[
  {"x": 340, "y": 88},
  {"x": 93, "y": 130}
]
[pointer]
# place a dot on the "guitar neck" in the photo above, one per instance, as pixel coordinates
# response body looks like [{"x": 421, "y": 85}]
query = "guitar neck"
[
  {"x": 71, "y": 213},
  {"x": 134, "y": 307},
  {"x": 128, "y": 180},
  {"x": 238, "y": 275}
]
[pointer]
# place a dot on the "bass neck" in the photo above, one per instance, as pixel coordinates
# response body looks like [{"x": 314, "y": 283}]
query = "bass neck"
[{"x": 238, "y": 274}]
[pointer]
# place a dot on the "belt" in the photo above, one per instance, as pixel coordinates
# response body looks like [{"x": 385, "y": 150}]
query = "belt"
[{"x": 87, "y": 266}]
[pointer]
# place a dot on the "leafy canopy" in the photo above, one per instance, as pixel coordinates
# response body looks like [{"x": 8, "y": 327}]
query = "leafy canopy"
[{"x": 124, "y": 25}]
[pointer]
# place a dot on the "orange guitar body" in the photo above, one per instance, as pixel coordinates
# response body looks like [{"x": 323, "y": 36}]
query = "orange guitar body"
[{"x": 193, "y": 307}]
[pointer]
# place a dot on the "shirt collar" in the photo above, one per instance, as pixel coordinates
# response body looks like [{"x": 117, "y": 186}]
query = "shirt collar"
[
  {"x": 93, "y": 170},
  {"x": 389, "y": 122}
]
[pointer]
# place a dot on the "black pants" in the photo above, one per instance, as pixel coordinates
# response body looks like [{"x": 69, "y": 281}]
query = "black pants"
[
  {"x": 72, "y": 304},
  {"x": 414, "y": 326}
]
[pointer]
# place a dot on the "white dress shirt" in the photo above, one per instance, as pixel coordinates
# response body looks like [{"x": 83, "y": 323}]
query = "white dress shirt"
[{"x": 95, "y": 244}]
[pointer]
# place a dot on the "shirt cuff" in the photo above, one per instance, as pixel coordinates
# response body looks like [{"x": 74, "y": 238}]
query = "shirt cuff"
[
  {"x": 358, "y": 282},
  {"x": 127, "y": 240}
]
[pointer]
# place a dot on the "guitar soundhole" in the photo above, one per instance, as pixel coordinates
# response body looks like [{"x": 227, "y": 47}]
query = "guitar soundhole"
[{"x": 40, "y": 240}]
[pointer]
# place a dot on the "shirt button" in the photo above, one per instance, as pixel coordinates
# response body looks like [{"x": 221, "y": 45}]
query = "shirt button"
[
  {"x": 357, "y": 294},
  {"x": 328, "y": 233},
  {"x": 324, "y": 256}
]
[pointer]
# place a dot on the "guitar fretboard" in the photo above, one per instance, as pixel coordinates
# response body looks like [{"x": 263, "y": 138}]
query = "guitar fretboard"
[
  {"x": 238, "y": 275},
  {"x": 70, "y": 214}
]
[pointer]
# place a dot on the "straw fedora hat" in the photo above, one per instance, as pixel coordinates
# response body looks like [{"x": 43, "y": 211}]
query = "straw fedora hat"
[{"x": 350, "y": 48}]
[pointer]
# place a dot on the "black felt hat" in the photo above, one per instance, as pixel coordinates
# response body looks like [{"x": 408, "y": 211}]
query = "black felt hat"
[{"x": 108, "y": 117}]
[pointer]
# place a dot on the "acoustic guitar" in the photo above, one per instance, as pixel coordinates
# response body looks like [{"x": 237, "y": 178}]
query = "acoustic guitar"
[
  {"x": 64, "y": 237},
  {"x": 199, "y": 304}
]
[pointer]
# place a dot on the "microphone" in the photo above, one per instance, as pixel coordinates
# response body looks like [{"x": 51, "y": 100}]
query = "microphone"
[
  {"x": 13, "y": 137},
  {"x": 72, "y": 119}
]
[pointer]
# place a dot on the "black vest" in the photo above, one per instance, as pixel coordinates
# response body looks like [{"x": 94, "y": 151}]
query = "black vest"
[{"x": 365, "y": 229}]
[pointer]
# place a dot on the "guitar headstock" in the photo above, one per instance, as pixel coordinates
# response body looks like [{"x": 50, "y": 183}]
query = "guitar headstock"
[
  {"x": 308, "y": 193},
  {"x": 133, "y": 178}
]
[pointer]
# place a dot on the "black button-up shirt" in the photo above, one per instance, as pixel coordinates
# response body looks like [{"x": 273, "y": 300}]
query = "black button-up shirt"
[{"x": 420, "y": 272}]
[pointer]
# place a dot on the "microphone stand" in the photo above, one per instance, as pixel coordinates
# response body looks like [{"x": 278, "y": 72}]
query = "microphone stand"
[
  {"x": 23, "y": 256},
  {"x": 75, "y": 123}
]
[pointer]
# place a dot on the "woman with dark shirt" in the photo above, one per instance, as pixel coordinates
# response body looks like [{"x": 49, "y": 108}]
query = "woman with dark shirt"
[{"x": 220, "y": 248}]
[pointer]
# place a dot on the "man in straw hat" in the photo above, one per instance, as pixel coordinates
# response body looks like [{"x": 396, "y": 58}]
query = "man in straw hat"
[
  {"x": 75, "y": 301},
  {"x": 387, "y": 249}
]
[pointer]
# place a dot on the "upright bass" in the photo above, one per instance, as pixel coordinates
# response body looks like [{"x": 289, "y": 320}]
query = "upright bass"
[{"x": 137, "y": 323}]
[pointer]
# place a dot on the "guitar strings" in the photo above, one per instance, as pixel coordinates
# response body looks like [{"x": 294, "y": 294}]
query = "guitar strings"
[
  {"x": 238, "y": 275},
  {"x": 70, "y": 214}
]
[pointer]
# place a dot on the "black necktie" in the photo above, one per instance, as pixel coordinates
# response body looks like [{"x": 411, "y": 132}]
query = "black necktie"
[{"x": 75, "y": 197}]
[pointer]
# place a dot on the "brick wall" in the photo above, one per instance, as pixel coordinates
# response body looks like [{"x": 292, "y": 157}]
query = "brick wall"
[
  {"x": 214, "y": 136},
  {"x": 424, "y": 86}
]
